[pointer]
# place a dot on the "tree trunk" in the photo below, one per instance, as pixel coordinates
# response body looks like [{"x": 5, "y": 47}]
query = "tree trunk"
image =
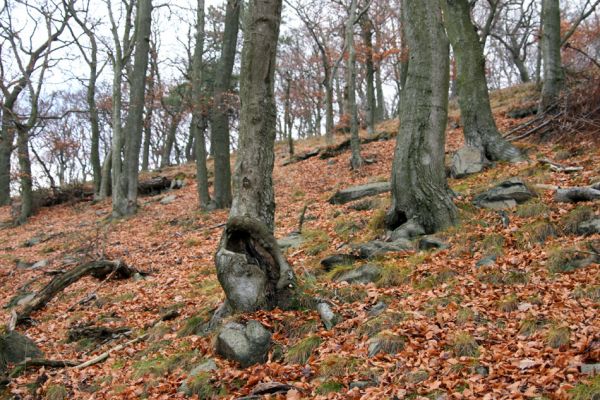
[
  {"x": 250, "y": 267},
  {"x": 287, "y": 119},
  {"x": 480, "y": 128},
  {"x": 380, "y": 108},
  {"x": 553, "y": 71},
  {"x": 105, "y": 183},
  {"x": 148, "y": 120},
  {"x": 94, "y": 119},
  {"x": 165, "y": 159},
  {"x": 220, "y": 112},
  {"x": 367, "y": 28},
  {"x": 197, "y": 126},
  {"x": 419, "y": 188},
  {"x": 356, "y": 160},
  {"x": 135, "y": 116},
  {"x": 6, "y": 145},
  {"x": 25, "y": 175}
]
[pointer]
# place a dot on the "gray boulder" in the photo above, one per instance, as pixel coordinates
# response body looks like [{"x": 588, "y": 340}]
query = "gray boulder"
[
  {"x": 589, "y": 227},
  {"x": 248, "y": 345},
  {"x": 378, "y": 247},
  {"x": 328, "y": 317},
  {"x": 358, "y": 192},
  {"x": 365, "y": 274},
  {"x": 466, "y": 161},
  {"x": 432, "y": 242},
  {"x": 168, "y": 199},
  {"x": 505, "y": 195},
  {"x": 206, "y": 366},
  {"x": 293, "y": 240},
  {"x": 409, "y": 230}
]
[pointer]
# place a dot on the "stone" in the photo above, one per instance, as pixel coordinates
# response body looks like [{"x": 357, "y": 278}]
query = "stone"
[
  {"x": 589, "y": 227},
  {"x": 293, "y": 240},
  {"x": 482, "y": 370},
  {"x": 505, "y": 195},
  {"x": 364, "y": 274},
  {"x": 378, "y": 247},
  {"x": 32, "y": 242},
  {"x": 431, "y": 243},
  {"x": 362, "y": 384},
  {"x": 177, "y": 184},
  {"x": 327, "y": 315},
  {"x": 248, "y": 345},
  {"x": 168, "y": 199},
  {"x": 409, "y": 230},
  {"x": 329, "y": 262},
  {"x": 358, "y": 192},
  {"x": 377, "y": 309},
  {"x": 466, "y": 161},
  {"x": 206, "y": 366},
  {"x": 487, "y": 261},
  {"x": 20, "y": 264},
  {"x": 15, "y": 347},
  {"x": 272, "y": 387},
  {"x": 40, "y": 264},
  {"x": 590, "y": 369}
]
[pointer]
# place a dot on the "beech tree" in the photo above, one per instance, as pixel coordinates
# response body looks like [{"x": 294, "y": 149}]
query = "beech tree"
[
  {"x": 250, "y": 267},
  {"x": 480, "y": 128},
  {"x": 419, "y": 188}
]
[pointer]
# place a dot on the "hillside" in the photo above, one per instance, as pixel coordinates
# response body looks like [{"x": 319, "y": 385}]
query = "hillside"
[{"x": 519, "y": 325}]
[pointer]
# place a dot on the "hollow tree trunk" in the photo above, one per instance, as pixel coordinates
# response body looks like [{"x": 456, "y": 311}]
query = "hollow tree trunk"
[
  {"x": 553, "y": 71},
  {"x": 220, "y": 112},
  {"x": 419, "y": 188},
  {"x": 250, "y": 267},
  {"x": 480, "y": 128}
]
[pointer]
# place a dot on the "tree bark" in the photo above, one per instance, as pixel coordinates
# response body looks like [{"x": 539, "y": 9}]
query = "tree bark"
[
  {"x": 165, "y": 159},
  {"x": 25, "y": 174},
  {"x": 419, "y": 188},
  {"x": 220, "y": 112},
  {"x": 367, "y": 28},
  {"x": 551, "y": 41},
  {"x": 134, "y": 124},
  {"x": 480, "y": 128},
  {"x": 249, "y": 264},
  {"x": 356, "y": 160},
  {"x": 6, "y": 148},
  {"x": 105, "y": 183},
  {"x": 198, "y": 118}
]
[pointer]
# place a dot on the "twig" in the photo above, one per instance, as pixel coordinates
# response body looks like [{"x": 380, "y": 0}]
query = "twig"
[
  {"x": 106, "y": 354},
  {"x": 556, "y": 167},
  {"x": 208, "y": 228},
  {"x": 302, "y": 215}
]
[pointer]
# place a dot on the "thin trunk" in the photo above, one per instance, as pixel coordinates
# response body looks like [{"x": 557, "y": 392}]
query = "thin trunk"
[
  {"x": 25, "y": 175},
  {"x": 356, "y": 160},
  {"x": 106, "y": 182},
  {"x": 165, "y": 159},
  {"x": 220, "y": 112},
  {"x": 339, "y": 97},
  {"x": 480, "y": 128},
  {"x": 419, "y": 188},
  {"x": 287, "y": 116},
  {"x": 148, "y": 119},
  {"x": 6, "y": 145},
  {"x": 94, "y": 118},
  {"x": 367, "y": 28},
  {"x": 551, "y": 41},
  {"x": 198, "y": 124}
]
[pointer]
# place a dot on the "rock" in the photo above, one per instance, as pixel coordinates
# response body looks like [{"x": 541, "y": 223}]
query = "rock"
[
  {"x": 362, "y": 384},
  {"x": 293, "y": 240},
  {"x": 168, "y": 199},
  {"x": 589, "y": 227},
  {"x": 363, "y": 205},
  {"x": 20, "y": 264},
  {"x": 377, "y": 309},
  {"x": 487, "y": 261},
  {"x": 329, "y": 262},
  {"x": 270, "y": 388},
  {"x": 15, "y": 348},
  {"x": 327, "y": 315},
  {"x": 466, "y": 161},
  {"x": 40, "y": 264},
  {"x": 177, "y": 184},
  {"x": 248, "y": 345},
  {"x": 590, "y": 369},
  {"x": 577, "y": 194},
  {"x": 364, "y": 274},
  {"x": 206, "y": 366},
  {"x": 32, "y": 242},
  {"x": 378, "y": 248},
  {"x": 432, "y": 242},
  {"x": 482, "y": 370},
  {"x": 358, "y": 192},
  {"x": 409, "y": 230},
  {"x": 505, "y": 195}
]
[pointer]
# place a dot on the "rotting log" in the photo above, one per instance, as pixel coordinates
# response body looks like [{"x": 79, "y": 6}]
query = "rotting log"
[
  {"x": 99, "y": 269},
  {"x": 576, "y": 194},
  {"x": 154, "y": 185},
  {"x": 97, "y": 333},
  {"x": 251, "y": 268}
]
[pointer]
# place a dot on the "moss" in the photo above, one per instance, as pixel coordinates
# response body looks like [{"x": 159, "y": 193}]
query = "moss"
[
  {"x": 434, "y": 280},
  {"x": 558, "y": 336},
  {"x": 571, "y": 221},
  {"x": 590, "y": 292},
  {"x": 346, "y": 228},
  {"x": 316, "y": 241},
  {"x": 301, "y": 351},
  {"x": 386, "y": 320},
  {"x": 330, "y": 386},
  {"x": 564, "y": 260},
  {"x": 493, "y": 244},
  {"x": 350, "y": 293},
  {"x": 530, "y": 325},
  {"x": 587, "y": 391},
  {"x": 56, "y": 392},
  {"x": 535, "y": 208},
  {"x": 338, "y": 270},
  {"x": 464, "y": 315},
  {"x": 389, "y": 342},
  {"x": 160, "y": 365},
  {"x": 338, "y": 366},
  {"x": 393, "y": 275},
  {"x": 202, "y": 386},
  {"x": 195, "y": 325},
  {"x": 508, "y": 303},
  {"x": 536, "y": 233},
  {"x": 193, "y": 242},
  {"x": 376, "y": 225},
  {"x": 464, "y": 345}
]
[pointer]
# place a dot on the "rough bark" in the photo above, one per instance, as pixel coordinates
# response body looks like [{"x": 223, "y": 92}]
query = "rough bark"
[
  {"x": 25, "y": 174},
  {"x": 552, "y": 64},
  {"x": 106, "y": 182},
  {"x": 6, "y": 147},
  {"x": 419, "y": 188},
  {"x": 220, "y": 111},
  {"x": 165, "y": 159},
  {"x": 356, "y": 160},
  {"x": 101, "y": 269},
  {"x": 367, "y": 28},
  {"x": 479, "y": 126},
  {"x": 249, "y": 264},
  {"x": 148, "y": 118}
]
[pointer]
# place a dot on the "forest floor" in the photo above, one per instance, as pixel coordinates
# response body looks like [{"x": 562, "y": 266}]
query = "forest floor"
[{"x": 516, "y": 329}]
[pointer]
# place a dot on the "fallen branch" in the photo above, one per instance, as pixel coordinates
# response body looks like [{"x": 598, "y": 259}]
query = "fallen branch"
[
  {"x": 42, "y": 362},
  {"x": 576, "y": 194},
  {"x": 99, "y": 269},
  {"x": 556, "y": 167},
  {"x": 106, "y": 354}
]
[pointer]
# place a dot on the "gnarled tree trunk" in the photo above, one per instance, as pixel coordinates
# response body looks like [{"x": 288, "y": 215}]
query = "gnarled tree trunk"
[
  {"x": 249, "y": 264},
  {"x": 480, "y": 128},
  {"x": 419, "y": 188}
]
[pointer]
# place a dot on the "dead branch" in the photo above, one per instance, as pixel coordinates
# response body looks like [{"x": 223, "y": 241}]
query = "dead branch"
[
  {"x": 556, "y": 167},
  {"x": 106, "y": 354}
]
